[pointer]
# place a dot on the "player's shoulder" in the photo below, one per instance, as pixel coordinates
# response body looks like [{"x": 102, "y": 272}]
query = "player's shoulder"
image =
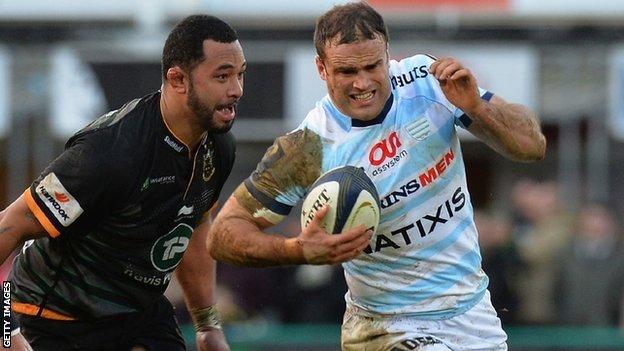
[
  {"x": 127, "y": 128},
  {"x": 302, "y": 140},
  {"x": 294, "y": 155}
]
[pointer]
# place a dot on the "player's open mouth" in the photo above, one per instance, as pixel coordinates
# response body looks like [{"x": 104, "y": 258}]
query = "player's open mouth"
[
  {"x": 227, "y": 112},
  {"x": 363, "y": 96}
]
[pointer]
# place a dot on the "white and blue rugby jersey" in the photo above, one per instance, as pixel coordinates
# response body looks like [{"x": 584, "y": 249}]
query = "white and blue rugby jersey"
[{"x": 424, "y": 259}]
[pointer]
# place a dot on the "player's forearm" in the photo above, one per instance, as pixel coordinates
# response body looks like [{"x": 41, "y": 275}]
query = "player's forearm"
[
  {"x": 511, "y": 129},
  {"x": 197, "y": 272},
  {"x": 237, "y": 241},
  {"x": 17, "y": 224}
]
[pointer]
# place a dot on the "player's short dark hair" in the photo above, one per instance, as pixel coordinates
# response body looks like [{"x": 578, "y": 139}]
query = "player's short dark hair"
[
  {"x": 184, "y": 45},
  {"x": 352, "y": 22}
]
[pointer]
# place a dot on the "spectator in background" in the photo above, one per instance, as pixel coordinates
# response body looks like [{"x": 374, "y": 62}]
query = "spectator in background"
[
  {"x": 541, "y": 230},
  {"x": 501, "y": 262},
  {"x": 590, "y": 271}
]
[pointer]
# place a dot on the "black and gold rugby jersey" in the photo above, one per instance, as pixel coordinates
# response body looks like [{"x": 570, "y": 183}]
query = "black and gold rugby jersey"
[{"x": 119, "y": 205}]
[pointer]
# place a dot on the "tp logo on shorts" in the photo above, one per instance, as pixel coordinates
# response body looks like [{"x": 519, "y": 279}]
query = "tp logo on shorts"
[
  {"x": 58, "y": 200},
  {"x": 384, "y": 149},
  {"x": 167, "y": 251}
]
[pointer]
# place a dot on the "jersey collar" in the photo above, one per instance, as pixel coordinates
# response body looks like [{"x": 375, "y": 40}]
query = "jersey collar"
[
  {"x": 171, "y": 140},
  {"x": 347, "y": 122}
]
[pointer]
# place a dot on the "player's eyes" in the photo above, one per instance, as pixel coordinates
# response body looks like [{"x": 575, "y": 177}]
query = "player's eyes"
[{"x": 222, "y": 77}]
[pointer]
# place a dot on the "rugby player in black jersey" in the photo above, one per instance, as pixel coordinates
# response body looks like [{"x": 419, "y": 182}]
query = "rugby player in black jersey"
[{"x": 126, "y": 204}]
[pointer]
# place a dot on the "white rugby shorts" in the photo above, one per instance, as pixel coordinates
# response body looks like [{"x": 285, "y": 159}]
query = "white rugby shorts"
[{"x": 477, "y": 329}]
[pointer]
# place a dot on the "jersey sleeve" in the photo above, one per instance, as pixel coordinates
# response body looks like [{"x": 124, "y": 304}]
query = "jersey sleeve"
[
  {"x": 282, "y": 177},
  {"x": 78, "y": 184},
  {"x": 411, "y": 77}
]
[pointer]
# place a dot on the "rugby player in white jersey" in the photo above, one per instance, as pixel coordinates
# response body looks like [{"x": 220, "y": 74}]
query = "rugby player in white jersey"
[{"x": 417, "y": 284}]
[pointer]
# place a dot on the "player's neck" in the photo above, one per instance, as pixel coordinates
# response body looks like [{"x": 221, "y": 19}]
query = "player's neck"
[{"x": 175, "y": 115}]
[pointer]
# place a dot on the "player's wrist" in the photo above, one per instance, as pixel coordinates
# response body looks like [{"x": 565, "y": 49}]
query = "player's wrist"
[
  {"x": 294, "y": 251},
  {"x": 206, "y": 318},
  {"x": 478, "y": 109}
]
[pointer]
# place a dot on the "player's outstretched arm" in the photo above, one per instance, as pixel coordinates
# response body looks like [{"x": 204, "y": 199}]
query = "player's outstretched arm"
[
  {"x": 237, "y": 238},
  {"x": 17, "y": 224},
  {"x": 512, "y": 130}
]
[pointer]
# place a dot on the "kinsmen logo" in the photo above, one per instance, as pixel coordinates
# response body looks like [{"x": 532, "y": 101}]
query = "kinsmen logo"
[
  {"x": 61, "y": 197},
  {"x": 384, "y": 149},
  {"x": 167, "y": 251}
]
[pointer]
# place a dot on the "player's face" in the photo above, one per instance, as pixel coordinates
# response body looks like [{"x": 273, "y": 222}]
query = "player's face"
[
  {"x": 357, "y": 77},
  {"x": 216, "y": 85}
]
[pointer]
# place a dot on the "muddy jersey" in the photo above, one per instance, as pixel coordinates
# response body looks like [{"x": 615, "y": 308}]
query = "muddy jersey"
[
  {"x": 424, "y": 259},
  {"x": 119, "y": 205}
]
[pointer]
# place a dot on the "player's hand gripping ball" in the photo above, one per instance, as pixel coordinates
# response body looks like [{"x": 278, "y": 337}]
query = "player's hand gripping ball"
[{"x": 352, "y": 198}]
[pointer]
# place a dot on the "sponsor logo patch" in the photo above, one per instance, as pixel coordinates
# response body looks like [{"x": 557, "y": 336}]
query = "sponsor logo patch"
[
  {"x": 167, "y": 251},
  {"x": 58, "y": 200},
  {"x": 174, "y": 145},
  {"x": 185, "y": 210}
]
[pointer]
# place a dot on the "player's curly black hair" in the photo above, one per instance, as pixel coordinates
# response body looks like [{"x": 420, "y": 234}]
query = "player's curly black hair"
[
  {"x": 351, "y": 22},
  {"x": 184, "y": 45}
]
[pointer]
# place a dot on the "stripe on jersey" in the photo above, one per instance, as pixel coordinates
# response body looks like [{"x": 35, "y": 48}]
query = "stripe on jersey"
[
  {"x": 32, "y": 310},
  {"x": 41, "y": 217},
  {"x": 269, "y": 202}
]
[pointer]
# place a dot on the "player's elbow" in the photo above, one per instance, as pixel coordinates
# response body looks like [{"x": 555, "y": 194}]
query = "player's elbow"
[
  {"x": 538, "y": 150},
  {"x": 530, "y": 151},
  {"x": 214, "y": 243}
]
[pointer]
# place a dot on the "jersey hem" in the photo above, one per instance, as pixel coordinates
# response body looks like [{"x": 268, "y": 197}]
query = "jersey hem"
[{"x": 32, "y": 310}]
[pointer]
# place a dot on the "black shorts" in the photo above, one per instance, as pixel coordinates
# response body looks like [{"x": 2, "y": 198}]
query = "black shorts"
[{"x": 156, "y": 329}]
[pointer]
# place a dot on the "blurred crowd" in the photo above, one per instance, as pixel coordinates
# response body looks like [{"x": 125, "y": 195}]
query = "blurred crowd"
[{"x": 547, "y": 266}]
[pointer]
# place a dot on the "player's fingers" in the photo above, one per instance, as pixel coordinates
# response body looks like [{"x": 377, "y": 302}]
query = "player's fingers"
[
  {"x": 439, "y": 65},
  {"x": 351, "y": 234},
  {"x": 434, "y": 66},
  {"x": 317, "y": 221},
  {"x": 355, "y": 246},
  {"x": 440, "y": 68},
  {"x": 351, "y": 253},
  {"x": 450, "y": 70},
  {"x": 461, "y": 74}
]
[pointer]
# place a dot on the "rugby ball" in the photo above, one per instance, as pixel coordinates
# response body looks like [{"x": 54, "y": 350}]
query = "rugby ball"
[{"x": 352, "y": 198}]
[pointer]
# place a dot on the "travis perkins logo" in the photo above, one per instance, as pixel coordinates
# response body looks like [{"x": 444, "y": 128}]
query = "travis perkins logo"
[{"x": 61, "y": 212}]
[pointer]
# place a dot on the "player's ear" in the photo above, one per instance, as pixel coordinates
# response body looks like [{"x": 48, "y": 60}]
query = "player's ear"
[
  {"x": 177, "y": 79},
  {"x": 320, "y": 66}
]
